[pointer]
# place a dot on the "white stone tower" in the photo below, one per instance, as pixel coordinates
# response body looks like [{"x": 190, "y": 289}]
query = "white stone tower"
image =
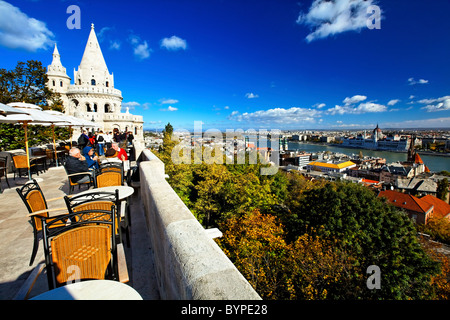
[
  {"x": 59, "y": 81},
  {"x": 92, "y": 96}
]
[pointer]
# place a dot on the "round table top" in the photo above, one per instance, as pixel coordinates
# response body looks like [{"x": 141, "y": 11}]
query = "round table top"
[
  {"x": 124, "y": 191},
  {"x": 91, "y": 290}
]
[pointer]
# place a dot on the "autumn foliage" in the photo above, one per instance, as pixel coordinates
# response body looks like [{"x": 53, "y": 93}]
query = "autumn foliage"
[{"x": 293, "y": 238}]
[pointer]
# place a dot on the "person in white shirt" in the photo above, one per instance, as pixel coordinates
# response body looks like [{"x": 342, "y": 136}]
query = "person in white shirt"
[{"x": 108, "y": 139}]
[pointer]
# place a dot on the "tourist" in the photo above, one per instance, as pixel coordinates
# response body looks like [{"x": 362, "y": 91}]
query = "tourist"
[
  {"x": 130, "y": 138},
  {"x": 121, "y": 153},
  {"x": 76, "y": 163},
  {"x": 83, "y": 140},
  {"x": 108, "y": 139},
  {"x": 101, "y": 143},
  {"x": 91, "y": 159}
]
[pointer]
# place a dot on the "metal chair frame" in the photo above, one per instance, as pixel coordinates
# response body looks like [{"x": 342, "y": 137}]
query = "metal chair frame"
[
  {"x": 26, "y": 192},
  {"x": 77, "y": 220},
  {"x": 96, "y": 198}
]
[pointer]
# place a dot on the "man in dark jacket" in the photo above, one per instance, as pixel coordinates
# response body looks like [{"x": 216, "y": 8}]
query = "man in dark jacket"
[{"x": 76, "y": 163}]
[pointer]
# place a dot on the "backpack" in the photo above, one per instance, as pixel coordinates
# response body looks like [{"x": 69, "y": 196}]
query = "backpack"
[
  {"x": 81, "y": 140},
  {"x": 100, "y": 139}
]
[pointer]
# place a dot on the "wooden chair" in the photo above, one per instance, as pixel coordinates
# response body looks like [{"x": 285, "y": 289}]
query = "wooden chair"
[
  {"x": 36, "y": 204},
  {"x": 84, "y": 249},
  {"x": 100, "y": 201},
  {"x": 20, "y": 164},
  {"x": 73, "y": 183},
  {"x": 4, "y": 171},
  {"x": 111, "y": 175}
]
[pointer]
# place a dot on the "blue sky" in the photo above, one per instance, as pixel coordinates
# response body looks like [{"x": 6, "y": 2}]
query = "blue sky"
[{"x": 253, "y": 64}]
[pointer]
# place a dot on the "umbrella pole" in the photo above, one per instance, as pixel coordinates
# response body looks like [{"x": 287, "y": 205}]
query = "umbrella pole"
[
  {"x": 54, "y": 145},
  {"x": 25, "y": 127},
  {"x": 71, "y": 135}
]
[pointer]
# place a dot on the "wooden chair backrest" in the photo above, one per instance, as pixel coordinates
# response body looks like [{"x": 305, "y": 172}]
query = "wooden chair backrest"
[{"x": 81, "y": 253}]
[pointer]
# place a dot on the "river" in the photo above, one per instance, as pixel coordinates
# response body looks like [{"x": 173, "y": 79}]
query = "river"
[{"x": 434, "y": 163}]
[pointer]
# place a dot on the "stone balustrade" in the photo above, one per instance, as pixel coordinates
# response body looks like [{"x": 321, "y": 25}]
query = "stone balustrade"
[{"x": 189, "y": 264}]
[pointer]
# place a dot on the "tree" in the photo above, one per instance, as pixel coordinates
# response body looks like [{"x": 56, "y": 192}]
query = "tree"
[
  {"x": 372, "y": 231},
  {"x": 27, "y": 83},
  {"x": 442, "y": 189},
  {"x": 254, "y": 242}
]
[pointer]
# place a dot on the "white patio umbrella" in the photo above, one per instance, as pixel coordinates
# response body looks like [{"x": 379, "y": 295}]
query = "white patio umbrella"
[
  {"x": 7, "y": 110},
  {"x": 34, "y": 115}
]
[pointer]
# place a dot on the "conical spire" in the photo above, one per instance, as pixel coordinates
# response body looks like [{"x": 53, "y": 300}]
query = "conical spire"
[
  {"x": 92, "y": 69},
  {"x": 93, "y": 56},
  {"x": 56, "y": 68}
]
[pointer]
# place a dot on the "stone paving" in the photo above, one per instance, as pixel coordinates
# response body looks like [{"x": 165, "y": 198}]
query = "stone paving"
[{"x": 16, "y": 238}]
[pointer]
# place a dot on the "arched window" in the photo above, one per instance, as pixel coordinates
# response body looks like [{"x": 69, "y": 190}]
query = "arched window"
[
  {"x": 107, "y": 84},
  {"x": 108, "y": 108},
  {"x": 93, "y": 82},
  {"x": 88, "y": 107},
  {"x": 54, "y": 83}
]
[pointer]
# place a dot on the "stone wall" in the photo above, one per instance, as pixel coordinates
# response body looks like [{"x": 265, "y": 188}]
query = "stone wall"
[{"x": 189, "y": 264}]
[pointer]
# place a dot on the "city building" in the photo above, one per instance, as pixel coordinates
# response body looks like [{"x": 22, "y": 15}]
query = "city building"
[
  {"x": 441, "y": 208},
  {"x": 92, "y": 95},
  {"x": 417, "y": 209},
  {"x": 378, "y": 141},
  {"x": 323, "y": 166}
]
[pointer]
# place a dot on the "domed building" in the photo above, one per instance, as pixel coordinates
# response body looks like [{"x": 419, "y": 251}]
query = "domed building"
[
  {"x": 378, "y": 141},
  {"x": 93, "y": 95}
]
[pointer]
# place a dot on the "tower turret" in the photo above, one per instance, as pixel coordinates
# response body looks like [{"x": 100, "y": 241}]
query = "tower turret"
[
  {"x": 92, "y": 70},
  {"x": 58, "y": 80}
]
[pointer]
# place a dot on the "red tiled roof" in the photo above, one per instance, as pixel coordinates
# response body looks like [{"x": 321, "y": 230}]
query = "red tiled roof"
[
  {"x": 406, "y": 201},
  {"x": 418, "y": 159},
  {"x": 441, "y": 208},
  {"x": 370, "y": 181}
]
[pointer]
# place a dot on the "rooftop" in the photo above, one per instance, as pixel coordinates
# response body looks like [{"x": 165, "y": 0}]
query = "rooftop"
[
  {"x": 406, "y": 201},
  {"x": 341, "y": 165}
]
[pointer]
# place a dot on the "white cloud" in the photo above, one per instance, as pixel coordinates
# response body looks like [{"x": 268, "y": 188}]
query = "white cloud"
[
  {"x": 412, "y": 82},
  {"x": 355, "y": 99},
  {"x": 140, "y": 48},
  {"x": 173, "y": 43},
  {"x": 114, "y": 45},
  {"x": 168, "y": 101},
  {"x": 330, "y": 17},
  {"x": 251, "y": 95},
  {"x": 393, "y": 102},
  {"x": 422, "y": 123},
  {"x": 169, "y": 108},
  {"x": 434, "y": 105},
  {"x": 350, "y": 108},
  {"x": 133, "y": 104},
  {"x": 18, "y": 31},
  {"x": 319, "y": 105},
  {"x": 277, "y": 115}
]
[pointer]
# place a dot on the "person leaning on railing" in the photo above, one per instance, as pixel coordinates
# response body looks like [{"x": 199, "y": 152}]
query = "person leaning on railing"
[{"x": 76, "y": 163}]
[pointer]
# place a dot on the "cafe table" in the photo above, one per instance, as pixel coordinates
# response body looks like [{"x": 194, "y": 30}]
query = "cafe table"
[
  {"x": 124, "y": 191},
  {"x": 91, "y": 290}
]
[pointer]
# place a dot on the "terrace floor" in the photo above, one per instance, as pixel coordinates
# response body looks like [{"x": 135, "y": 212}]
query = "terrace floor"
[{"x": 16, "y": 238}]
